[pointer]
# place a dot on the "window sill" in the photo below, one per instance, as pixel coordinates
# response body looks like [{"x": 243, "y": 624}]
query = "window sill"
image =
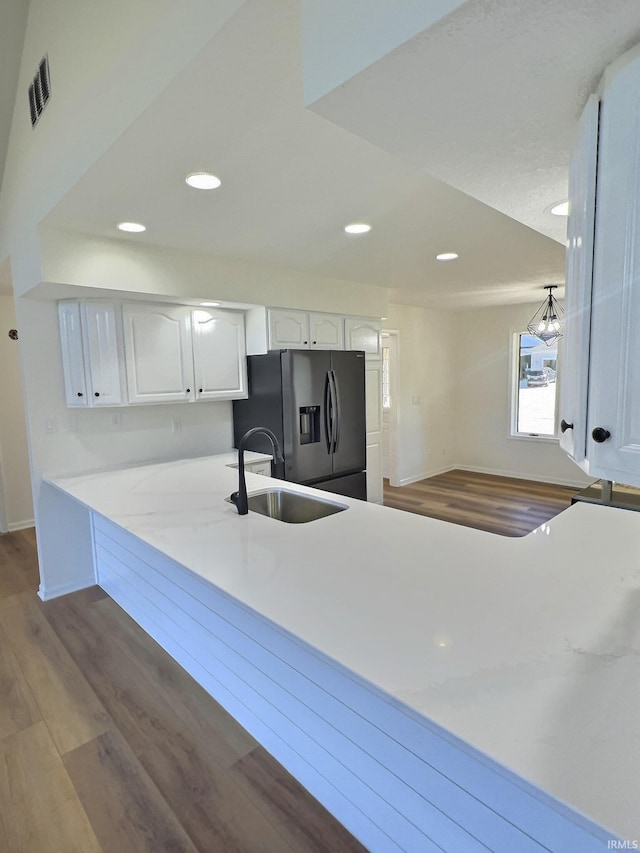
[{"x": 523, "y": 436}]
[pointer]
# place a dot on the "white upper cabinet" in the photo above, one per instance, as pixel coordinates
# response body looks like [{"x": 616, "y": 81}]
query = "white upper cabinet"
[
  {"x": 580, "y": 232},
  {"x": 158, "y": 353},
  {"x": 288, "y": 329},
  {"x": 91, "y": 353},
  {"x": 305, "y": 330},
  {"x": 117, "y": 354},
  {"x": 279, "y": 328},
  {"x": 613, "y": 428},
  {"x": 604, "y": 404},
  {"x": 73, "y": 357},
  {"x": 363, "y": 333},
  {"x": 326, "y": 331},
  {"x": 219, "y": 354}
]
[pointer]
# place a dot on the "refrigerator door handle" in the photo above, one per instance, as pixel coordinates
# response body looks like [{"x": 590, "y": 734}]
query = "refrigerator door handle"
[
  {"x": 335, "y": 411},
  {"x": 328, "y": 423}
]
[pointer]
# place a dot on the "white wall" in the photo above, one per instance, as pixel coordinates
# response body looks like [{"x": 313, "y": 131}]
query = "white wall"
[
  {"x": 14, "y": 460},
  {"x": 482, "y": 401},
  {"x": 137, "y": 267},
  {"x": 425, "y": 437},
  {"x": 108, "y": 61}
]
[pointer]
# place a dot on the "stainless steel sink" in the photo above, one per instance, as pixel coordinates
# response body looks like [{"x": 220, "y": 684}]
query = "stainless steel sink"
[{"x": 291, "y": 507}]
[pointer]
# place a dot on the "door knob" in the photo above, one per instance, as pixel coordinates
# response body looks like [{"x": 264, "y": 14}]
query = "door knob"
[
  {"x": 600, "y": 434},
  {"x": 564, "y": 426}
]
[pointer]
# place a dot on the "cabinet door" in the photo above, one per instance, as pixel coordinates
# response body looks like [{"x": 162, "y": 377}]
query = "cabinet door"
[
  {"x": 159, "y": 358},
  {"x": 326, "y": 331},
  {"x": 574, "y": 375},
  {"x": 288, "y": 329},
  {"x": 219, "y": 355},
  {"x": 363, "y": 333},
  {"x": 73, "y": 366},
  {"x": 614, "y": 381},
  {"x": 104, "y": 363}
]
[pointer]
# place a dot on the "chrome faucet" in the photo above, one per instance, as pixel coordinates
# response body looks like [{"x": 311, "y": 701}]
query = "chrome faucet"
[{"x": 239, "y": 498}]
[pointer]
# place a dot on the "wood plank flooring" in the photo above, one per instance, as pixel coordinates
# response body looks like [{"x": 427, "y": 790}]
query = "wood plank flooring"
[
  {"x": 106, "y": 744},
  {"x": 503, "y": 505}
]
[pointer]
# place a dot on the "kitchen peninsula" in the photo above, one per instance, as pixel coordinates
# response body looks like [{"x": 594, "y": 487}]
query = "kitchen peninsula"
[{"x": 436, "y": 687}]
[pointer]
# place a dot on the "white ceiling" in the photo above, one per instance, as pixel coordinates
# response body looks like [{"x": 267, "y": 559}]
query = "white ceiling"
[{"x": 458, "y": 140}]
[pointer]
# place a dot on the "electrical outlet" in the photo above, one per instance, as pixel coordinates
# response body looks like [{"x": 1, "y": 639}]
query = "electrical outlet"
[
  {"x": 50, "y": 425},
  {"x": 116, "y": 420},
  {"x": 176, "y": 425},
  {"x": 416, "y": 401}
]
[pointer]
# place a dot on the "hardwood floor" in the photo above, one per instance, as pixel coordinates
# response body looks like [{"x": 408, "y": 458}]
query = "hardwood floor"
[
  {"x": 503, "y": 505},
  {"x": 106, "y": 744}
]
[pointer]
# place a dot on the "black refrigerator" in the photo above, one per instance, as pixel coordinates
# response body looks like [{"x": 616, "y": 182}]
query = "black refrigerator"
[{"x": 314, "y": 401}]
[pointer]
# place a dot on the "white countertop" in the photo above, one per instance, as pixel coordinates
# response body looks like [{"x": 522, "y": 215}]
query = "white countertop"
[{"x": 528, "y": 649}]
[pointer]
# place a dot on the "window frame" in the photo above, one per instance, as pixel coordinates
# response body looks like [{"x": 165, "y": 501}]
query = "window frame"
[{"x": 514, "y": 381}]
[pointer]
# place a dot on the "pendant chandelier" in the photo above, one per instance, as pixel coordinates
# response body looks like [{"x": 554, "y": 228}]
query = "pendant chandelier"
[{"x": 546, "y": 324}]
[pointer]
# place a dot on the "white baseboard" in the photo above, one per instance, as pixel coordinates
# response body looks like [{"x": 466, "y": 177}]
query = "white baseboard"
[
  {"x": 21, "y": 525},
  {"x": 47, "y": 593},
  {"x": 517, "y": 475},
  {"x": 406, "y": 481}
]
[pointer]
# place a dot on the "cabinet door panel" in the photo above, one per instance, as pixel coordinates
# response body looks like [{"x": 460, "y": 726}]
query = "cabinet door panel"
[
  {"x": 219, "y": 355},
  {"x": 288, "y": 329},
  {"x": 326, "y": 331},
  {"x": 364, "y": 334},
  {"x": 101, "y": 334},
  {"x": 157, "y": 340},
  {"x": 614, "y": 402},
  {"x": 75, "y": 383},
  {"x": 574, "y": 377}
]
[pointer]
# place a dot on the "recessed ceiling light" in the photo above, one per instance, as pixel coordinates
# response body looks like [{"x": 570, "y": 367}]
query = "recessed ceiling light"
[
  {"x": 560, "y": 209},
  {"x": 357, "y": 228},
  {"x": 446, "y": 256},
  {"x": 133, "y": 227},
  {"x": 203, "y": 181},
  {"x": 210, "y": 304}
]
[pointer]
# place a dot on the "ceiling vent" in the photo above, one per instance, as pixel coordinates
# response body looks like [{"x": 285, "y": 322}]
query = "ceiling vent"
[{"x": 39, "y": 91}]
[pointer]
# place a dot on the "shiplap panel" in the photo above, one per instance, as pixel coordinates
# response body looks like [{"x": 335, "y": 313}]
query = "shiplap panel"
[
  {"x": 424, "y": 796},
  {"x": 370, "y": 787},
  {"x": 402, "y": 757}
]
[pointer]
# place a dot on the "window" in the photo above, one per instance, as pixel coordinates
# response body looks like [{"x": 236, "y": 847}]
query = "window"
[{"x": 534, "y": 387}]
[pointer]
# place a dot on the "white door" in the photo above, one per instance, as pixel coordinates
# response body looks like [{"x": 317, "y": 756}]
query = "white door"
[
  {"x": 363, "y": 333},
  {"x": 574, "y": 376},
  {"x": 219, "y": 354},
  {"x": 613, "y": 429},
  {"x": 75, "y": 380},
  {"x": 326, "y": 331},
  {"x": 288, "y": 329},
  {"x": 159, "y": 356},
  {"x": 390, "y": 406},
  {"x": 101, "y": 323}
]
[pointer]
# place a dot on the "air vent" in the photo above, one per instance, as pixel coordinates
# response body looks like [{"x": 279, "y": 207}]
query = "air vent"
[{"x": 39, "y": 91}]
